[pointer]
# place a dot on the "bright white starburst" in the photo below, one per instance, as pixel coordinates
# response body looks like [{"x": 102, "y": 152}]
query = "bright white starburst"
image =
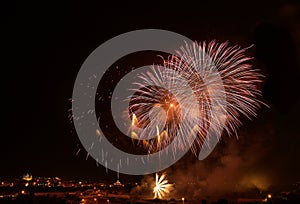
[{"x": 162, "y": 187}]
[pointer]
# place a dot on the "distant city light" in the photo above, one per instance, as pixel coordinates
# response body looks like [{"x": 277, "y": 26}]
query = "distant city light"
[{"x": 27, "y": 177}]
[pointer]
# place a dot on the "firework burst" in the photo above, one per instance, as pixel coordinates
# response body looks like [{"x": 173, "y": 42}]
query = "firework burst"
[
  {"x": 204, "y": 87},
  {"x": 162, "y": 187}
]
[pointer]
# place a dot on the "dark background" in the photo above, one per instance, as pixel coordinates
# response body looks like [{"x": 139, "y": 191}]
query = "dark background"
[{"x": 44, "y": 45}]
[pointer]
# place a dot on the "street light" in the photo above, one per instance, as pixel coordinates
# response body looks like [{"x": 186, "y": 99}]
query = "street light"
[{"x": 182, "y": 200}]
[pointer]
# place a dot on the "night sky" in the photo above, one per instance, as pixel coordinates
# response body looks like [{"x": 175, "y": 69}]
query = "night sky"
[{"x": 45, "y": 45}]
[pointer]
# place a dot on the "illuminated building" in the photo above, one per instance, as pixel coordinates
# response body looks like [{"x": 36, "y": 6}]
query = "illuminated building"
[{"x": 27, "y": 177}]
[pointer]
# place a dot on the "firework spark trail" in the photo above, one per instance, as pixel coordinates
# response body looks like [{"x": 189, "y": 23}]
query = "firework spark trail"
[
  {"x": 162, "y": 187},
  {"x": 167, "y": 111},
  {"x": 196, "y": 66}
]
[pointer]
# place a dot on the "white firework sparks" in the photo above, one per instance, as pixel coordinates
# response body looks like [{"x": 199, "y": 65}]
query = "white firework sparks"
[
  {"x": 176, "y": 100},
  {"x": 162, "y": 187}
]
